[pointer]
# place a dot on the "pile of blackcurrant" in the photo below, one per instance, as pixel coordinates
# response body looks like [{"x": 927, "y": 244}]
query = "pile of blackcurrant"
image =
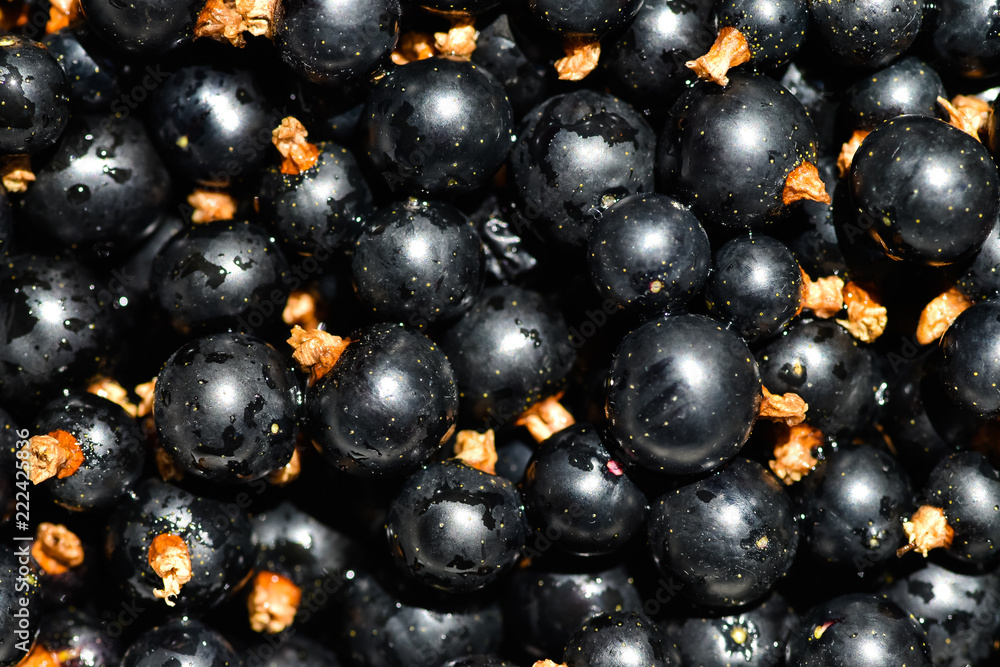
[{"x": 499, "y": 333}]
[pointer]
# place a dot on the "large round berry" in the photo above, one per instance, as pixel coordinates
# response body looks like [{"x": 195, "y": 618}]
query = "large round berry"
[
  {"x": 648, "y": 253},
  {"x": 437, "y": 127},
  {"x": 728, "y": 537},
  {"x": 104, "y": 185},
  {"x": 857, "y": 629},
  {"x": 576, "y": 155},
  {"x": 34, "y": 95},
  {"x": 510, "y": 351},
  {"x": 226, "y": 408},
  {"x": 418, "y": 263},
  {"x": 388, "y": 404},
  {"x": 682, "y": 395},
  {"x": 456, "y": 528},
  {"x": 970, "y": 366},
  {"x": 925, "y": 190}
]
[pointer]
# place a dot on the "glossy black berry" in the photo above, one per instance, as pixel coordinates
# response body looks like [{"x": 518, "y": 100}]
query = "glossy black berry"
[
  {"x": 181, "y": 641},
  {"x": 418, "y": 263},
  {"x": 926, "y": 191},
  {"x": 456, "y": 528},
  {"x": 728, "y": 537},
  {"x": 332, "y": 43},
  {"x": 825, "y": 365},
  {"x": 755, "y": 285},
  {"x": 585, "y": 17},
  {"x": 223, "y": 275},
  {"x": 754, "y": 637},
  {"x": 388, "y": 404},
  {"x": 510, "y": 351},
  {"x": 857, "y": 629},
  {"x": 57, "y": 327},
  {"x": 318, "y": 210},
  {"x": 866, "y": 33},
  {"x": 143, "y": 26},
  {"x": 683, "y": 394},
  {"x": 618, "y": 639},
  {"x": 953, "y": 610},
  {"x": 649, "y": 254},
  {"x": 384, "y": 624},
  {"x": 967, "y": 488},
  {"x": 647, "y": 60},
  {"x": 774, "y": 30},
  {"x": 576, "y": 155},
  {"x": 908, "y": 86},
  {"x": 226, "y": 408},
  {"x": 853, "y": 504},
  {"x": 102, "y": 187},
  {"x": 113, "y": 449},
  {"x": 962, "y": 37},
  {"x": 98, "y": 81},
  {"x": 20, "y": 602},
  {"x": 437, "y": 127},
  {"x": 212, "y": 124},
  {"x": 542, "y": 609},
  {"x": 578, "y": 496},
  {"x": 34, "y": 94},
  {"x": 752, "y": 128},
  {"x": 981, "y": 279},
  {"x": 970, "y": 364},
  {"x": 216, "y": 535}
]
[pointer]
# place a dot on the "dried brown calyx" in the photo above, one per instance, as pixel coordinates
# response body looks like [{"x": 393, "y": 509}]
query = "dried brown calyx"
[
  {"x": 290, "y": 471},
  {"x": 545, "y": 418},
  {"x": 211, "y": 205},
  {"x": 927, "y": 529},
  {"x": 793, "y": 458},
  {"x": 56, "y": 548},
  {"x": 316, "y": 350},
  {"x": 272, "y": 602},
  {"x": 302, "y": 309},
  {"x": 413, "y": 46},
  {"x": 227, "y": 20},
  {"x": 582, "y": 55},
  {"x": 968, "y": 114},
  {"x": 824, "y": 296},
  {"x": 171, "y": 561},
  {"x": 477, "y": 450},
  {"x": 63, "y": 14},
  {"x": 804, "y": 182},
  {"x": 114, "y": 392},
  {"x": 548, "y": 663},
  {"x": 40, "y": 657},
  {"x": 460, "y": 40},
  {"x": 165, "y": 465},
  {"x": 729, "y": 50},
  {"x": 147, "y": 395},
  {"x": 14, "y": 15},
  {"x": 57, "y": 454},
  {"x": 866, "y": 317},
  {"x": 939, "y": 314},
  {"x": 15, "y": 172},
  {"x": 848, "y": 150},
  {"x": 788, "y": 408},
  {"x": 290, "y": 140}
]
